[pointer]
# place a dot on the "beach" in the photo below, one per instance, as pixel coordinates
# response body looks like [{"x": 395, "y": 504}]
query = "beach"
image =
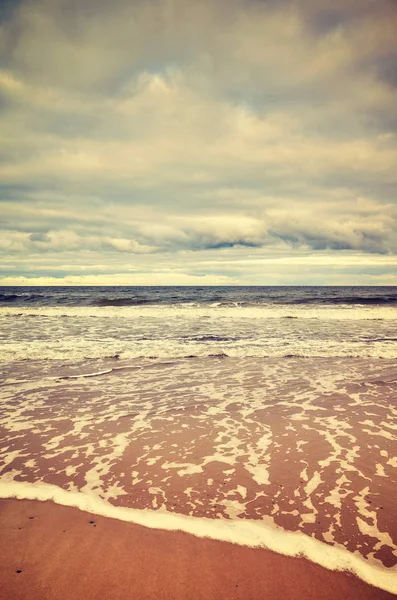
[
  {"x": 221, "y": 463},
  {"x": 198, "y": 300},
  {"x": 66, "y": 553}
]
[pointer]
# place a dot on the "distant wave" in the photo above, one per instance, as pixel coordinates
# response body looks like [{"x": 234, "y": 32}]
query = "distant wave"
[
  {"x": 361, "y": 300},
  {"x": 21, "y": 297},
  {"x": 219, "y": 303},
  {"x": 123, "y": 301},
  {"x": 239, "y": 298},
  {"x": 9, "y": 297}
]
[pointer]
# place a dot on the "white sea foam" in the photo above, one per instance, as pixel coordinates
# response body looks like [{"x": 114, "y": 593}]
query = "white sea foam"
[
  {"x": 193, "y": 311},
  {"x": 77, "y": 350},
  {"x": 77, "y": 332},
  {"x": 244, "y": 532}
]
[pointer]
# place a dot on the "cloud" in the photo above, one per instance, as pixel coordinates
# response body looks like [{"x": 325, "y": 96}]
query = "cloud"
[
  {"x": 145, "y": 130},
  {"x": 39, "y": 237}
]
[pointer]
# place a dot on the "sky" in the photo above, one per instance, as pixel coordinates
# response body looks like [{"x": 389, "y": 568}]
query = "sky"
[{"x": 193, "y": 142}]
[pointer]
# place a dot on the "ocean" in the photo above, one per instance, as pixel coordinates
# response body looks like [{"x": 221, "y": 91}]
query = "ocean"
[{"x": 265, "y": 416}]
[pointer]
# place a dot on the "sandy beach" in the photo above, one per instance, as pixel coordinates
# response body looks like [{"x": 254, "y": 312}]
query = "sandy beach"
[{"x": 51, "y": 552}]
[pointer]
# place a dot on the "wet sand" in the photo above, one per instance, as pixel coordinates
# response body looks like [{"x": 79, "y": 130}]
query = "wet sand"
[
  {"x": 307, "y": 445},
  {"x": 64, "y": 553}
]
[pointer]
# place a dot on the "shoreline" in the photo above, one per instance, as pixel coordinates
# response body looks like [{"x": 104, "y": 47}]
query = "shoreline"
[
  {"x": 242, "y": 534},
  {"x": 63, "y": 552}
]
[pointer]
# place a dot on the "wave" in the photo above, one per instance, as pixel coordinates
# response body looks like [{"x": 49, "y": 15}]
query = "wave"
[
  {"x": 204, "y": 297},
  {"x": 123, "y": 301},
  {"x": 72, "y": 356},
  {"x": 20, "y": 297},
  {"x": 232, "y": 356},
  {"x": 122, "y": 309},
  {"x": 9, "y": 297},
  {"x": 243, "y": 532},
  {"x": 348, "y": 300},
  {"x": 307, "y": 300}
]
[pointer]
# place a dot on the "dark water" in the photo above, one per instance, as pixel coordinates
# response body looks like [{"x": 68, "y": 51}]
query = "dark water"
[{"x": 223, "y": 296}]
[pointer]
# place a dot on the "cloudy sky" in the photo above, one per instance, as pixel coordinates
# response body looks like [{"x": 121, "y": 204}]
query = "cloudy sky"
[{"x": 198, "y": 142}]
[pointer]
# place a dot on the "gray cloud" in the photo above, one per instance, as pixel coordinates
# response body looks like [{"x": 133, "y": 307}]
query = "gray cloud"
[
  {"x": 149, "y": 130},
  {"x": 39, "y": 237}
]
